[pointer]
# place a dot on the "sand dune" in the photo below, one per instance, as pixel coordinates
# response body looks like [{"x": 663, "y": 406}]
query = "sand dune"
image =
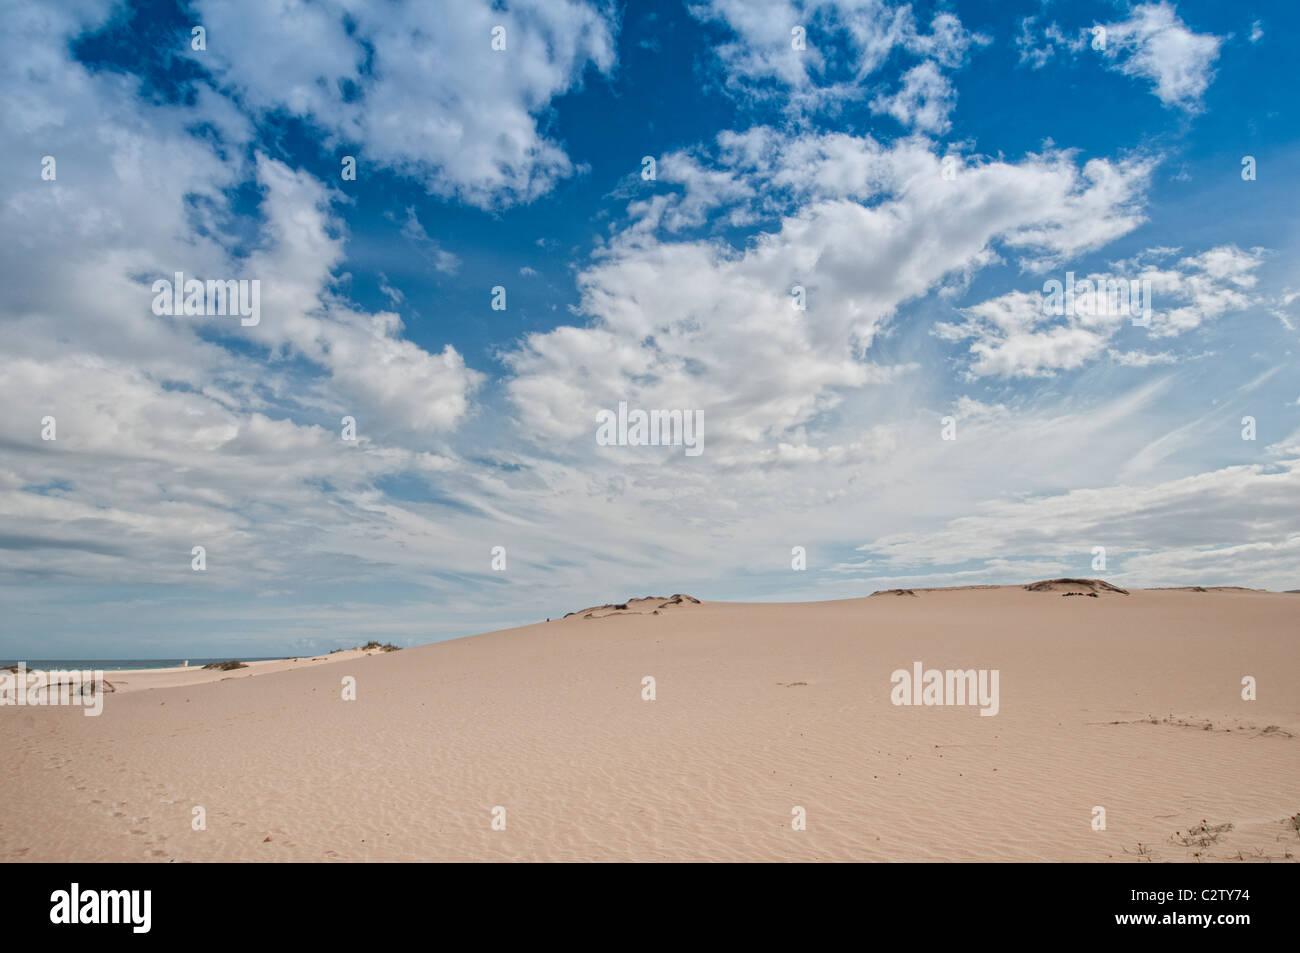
[
  {"x": 139, "y": 679},
  {"x": 1127, "y": 702},
  {"x": 652, "y": 605}
]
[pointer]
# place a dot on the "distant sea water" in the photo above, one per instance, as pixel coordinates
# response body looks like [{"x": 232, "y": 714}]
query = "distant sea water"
[{"x": 117, "y": 664}]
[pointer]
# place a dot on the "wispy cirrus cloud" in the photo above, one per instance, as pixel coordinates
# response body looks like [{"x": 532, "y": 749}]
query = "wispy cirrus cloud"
[{"x": 819, "y": 54}]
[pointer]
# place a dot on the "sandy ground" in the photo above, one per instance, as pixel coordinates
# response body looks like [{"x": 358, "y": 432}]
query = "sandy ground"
[
  {"x": 1127, "y": 702},
  {"x": 134, "y": 680}
]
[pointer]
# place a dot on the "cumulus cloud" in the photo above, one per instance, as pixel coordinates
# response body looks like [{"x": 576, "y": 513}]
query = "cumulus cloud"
[
  {"x": 1019, "y": 334},
  {"x": 759, "y": 174},
  {"x": 177, "y": 430},
  {"x": 821, "y": 424},
  {"x": 701, "y": 324},
  {"x": 923, "y": 102},
  {"x": 1152, "y": 44},
  {"x": 1155, "y": 44},
  {"x": 1009, "y": 341},
  {"x": 410, "y": 88}
]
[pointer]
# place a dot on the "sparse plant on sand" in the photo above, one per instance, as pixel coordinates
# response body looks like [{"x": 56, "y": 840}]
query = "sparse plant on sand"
[
  {"x": 1203, "y": 834},
  {"x": 225, "y": 666}
]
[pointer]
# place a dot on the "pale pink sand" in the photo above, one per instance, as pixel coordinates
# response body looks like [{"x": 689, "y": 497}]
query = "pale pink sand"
[
  {"x": 760, "y": 708},
  {"x": 134, "y": 680}
]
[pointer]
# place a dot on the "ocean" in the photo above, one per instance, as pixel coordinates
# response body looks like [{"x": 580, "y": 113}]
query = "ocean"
[{"x": 117, "y": 664}]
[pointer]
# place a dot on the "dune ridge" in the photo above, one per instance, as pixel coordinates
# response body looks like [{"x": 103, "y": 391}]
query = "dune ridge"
[{"x": 1132, "y": 704}]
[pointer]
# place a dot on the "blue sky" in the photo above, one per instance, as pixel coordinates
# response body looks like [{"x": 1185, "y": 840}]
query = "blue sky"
[{"x": 920, "y": 170}]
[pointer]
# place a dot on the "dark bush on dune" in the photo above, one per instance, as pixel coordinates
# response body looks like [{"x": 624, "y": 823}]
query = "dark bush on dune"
[{"x": 225, "y": 666}]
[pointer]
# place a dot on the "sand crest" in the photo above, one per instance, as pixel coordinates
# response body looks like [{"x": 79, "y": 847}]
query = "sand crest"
[{"x": 760, "y": 712}]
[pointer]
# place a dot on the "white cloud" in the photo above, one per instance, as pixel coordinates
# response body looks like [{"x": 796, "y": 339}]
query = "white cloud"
[
  {"x": 1282, "y": 307},
  {"x": 175, "y": 430},
  {"x": 1037, "y": 56},
  {"x": 391, "y": 292},
  {"x": 1246, "y": 531},
  {"x": 410, "y": 87},
  {"x": 699, "y": 324},
  {"x": 1209, "y": 285},
  {"x": 404, "y": 387},
  {"x": 1008, "y": 341},
  {"x": 1155, "y": 44},
  {"x": 1152, "y": 44},
  {"x": 1142, "y": 358},
  {"x": 761, "y": 173},
  {"x": 760, "y": 58},
  {"x": 924, "y": 101},
  {"x": 1014, "y": 335},
  {"x": 442, "y": 260}
]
